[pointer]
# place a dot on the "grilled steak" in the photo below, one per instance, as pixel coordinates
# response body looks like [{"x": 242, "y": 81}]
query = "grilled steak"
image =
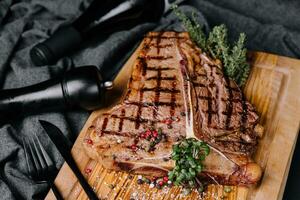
[{"x": 177, "y": 89}]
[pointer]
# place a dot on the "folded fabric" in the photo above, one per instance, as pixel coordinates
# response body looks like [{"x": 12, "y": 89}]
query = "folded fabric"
[{"x": 24, "y": 23}]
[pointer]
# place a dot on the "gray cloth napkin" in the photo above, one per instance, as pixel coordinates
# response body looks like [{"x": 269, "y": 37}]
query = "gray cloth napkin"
[{"x": 24, "y": 23}]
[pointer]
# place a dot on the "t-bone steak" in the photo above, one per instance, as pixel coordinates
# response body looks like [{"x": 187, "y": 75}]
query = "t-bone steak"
[{"x": 177, "y": 89}]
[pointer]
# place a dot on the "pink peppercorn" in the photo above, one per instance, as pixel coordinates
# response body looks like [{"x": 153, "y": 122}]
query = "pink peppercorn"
[
  {"x": 154, "y": 133},
  {"x": 88, "y": 170},
  {"x": 168, "y": 121},
  {"x": 143, "y": 135},
  {"x": 160, "y": 183},
  {"x": 148, "y": 132},
  {"x": 89, "y": 141},
  {"x": 133, "y": 147},
  {"x": 165, "y": 179}
]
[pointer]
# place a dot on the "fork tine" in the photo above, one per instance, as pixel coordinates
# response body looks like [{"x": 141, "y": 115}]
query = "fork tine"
[
  {"x": 28, "y": 156},
  {"x": 40, "y": 158},
  {"x": 39, "y": 163},
  {"x": 35, "y": 158},
  {"x": 46, "y": 157}
]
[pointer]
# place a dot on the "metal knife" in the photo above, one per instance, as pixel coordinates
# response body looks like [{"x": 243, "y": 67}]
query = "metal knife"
[{"x": 64, "y": 147}]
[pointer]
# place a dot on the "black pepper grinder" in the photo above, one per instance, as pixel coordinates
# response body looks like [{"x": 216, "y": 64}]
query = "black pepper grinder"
[
  {"x": 101, "y": 17},
  {"x": 81, "y": 87}
]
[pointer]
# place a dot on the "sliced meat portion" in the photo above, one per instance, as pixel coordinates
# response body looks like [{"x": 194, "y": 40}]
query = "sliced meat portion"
[{"x": 176, "y": 91}]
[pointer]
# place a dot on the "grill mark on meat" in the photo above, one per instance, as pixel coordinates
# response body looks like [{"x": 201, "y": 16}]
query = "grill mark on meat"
[
  {"x": 159, "y": 90},
  {"x": 133, "y": 119},
  {"x": 225, "y": 113},
  {"x": 104, "y": 125},
  {"x": 158, "y": 39},
  {"x": 160, "y": 46},
  {"x": 147, "y": 104},
  {"x": 208, "y": 98},
  {"x": 139, "y": 111},
  {"x": 173, "y": 98},
  {"x": 235, "y": 89},
  {"x": 121, "y": 120},
  {"x": 209, "y": 111},
  {"x": 198, "y": 84},
  {"x": 214, "y": 85},
  {"x": 159, "y": 69},
  {"x": 211, "y": 70},
  {"x": 209, "y": 108},
  {"x": 157, "y": 93},
  {"x": 232, "y": 100},
  {"x": 236, "y": 146},
  {"x": 144, "y": 73},
  {"x": 110, "y": 132},
  {"x": 143, "y": 65},
  {"x": 202, "y": 75},
  {"x": 217, "y": 104},
  {"x": 158, "y": 57},
  {"x": 244, "y": 115},
  {"x": 159, "y": 78},
  {"x": 229, "y": 106},
  {"x": 162, "y": 78}
]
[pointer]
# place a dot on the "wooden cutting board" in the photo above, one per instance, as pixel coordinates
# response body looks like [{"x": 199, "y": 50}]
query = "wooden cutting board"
[{"x": 273, "y": 87}]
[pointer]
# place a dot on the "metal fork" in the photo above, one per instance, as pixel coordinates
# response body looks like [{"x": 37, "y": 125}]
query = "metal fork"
[{"x": 40, "y": 166}]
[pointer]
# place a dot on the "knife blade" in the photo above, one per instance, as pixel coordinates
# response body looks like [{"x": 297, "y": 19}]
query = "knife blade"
[{"x": 64, "y": 147}]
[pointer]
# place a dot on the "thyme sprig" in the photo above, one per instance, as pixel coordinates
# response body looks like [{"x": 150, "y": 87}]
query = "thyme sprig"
[
  {"x": 188, "y": 155},
  {"x": 233, "y": 57}
]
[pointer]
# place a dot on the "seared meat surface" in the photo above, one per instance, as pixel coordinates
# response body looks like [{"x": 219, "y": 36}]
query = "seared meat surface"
[{"x": 177, "y": 91}]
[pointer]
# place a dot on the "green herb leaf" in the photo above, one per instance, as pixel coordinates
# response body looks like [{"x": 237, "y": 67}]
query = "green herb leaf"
[
  {"x": 188, "y": 155},
  {"x": 233, "y": 57}
]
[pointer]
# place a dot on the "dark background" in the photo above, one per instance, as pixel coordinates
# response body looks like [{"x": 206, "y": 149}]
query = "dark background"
[{"x": 271, "y": 26}]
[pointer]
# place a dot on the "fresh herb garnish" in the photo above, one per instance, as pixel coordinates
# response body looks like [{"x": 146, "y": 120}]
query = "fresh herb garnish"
[
  {"x": 188, "y": 155},
  {"x": 233, "y": 57}
]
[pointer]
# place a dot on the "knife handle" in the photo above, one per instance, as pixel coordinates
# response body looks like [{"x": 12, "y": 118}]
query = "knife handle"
[
  {"x": 55, "y": 191},
  {"x": 83, "y": 182}
]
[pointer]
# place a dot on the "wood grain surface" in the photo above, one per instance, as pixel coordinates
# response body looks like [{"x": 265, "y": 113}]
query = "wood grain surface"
[{"x": 273, "y": 87}]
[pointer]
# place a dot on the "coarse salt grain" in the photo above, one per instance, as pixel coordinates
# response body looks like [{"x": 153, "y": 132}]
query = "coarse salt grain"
[
  {"x": 134, "y": 194},
  {"x": 169, "y": 182},
  {"x": 151, "y": 185},
  {"x": 119, "y": 141}
]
